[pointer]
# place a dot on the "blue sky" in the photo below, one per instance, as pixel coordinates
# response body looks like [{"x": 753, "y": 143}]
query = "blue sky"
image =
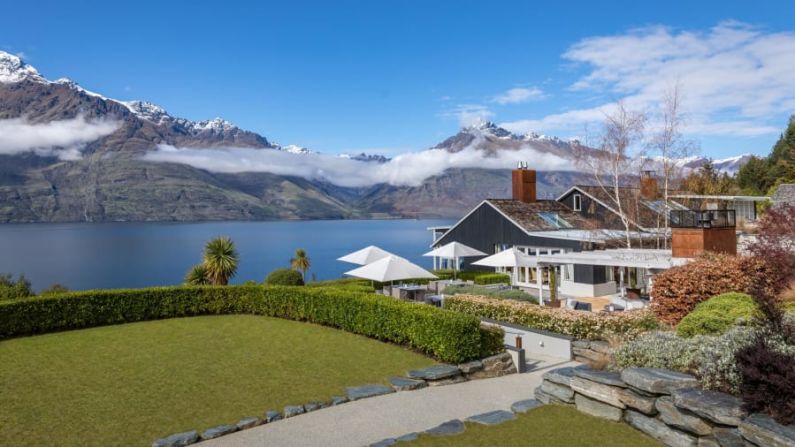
[{"x": 392, "y": 77}]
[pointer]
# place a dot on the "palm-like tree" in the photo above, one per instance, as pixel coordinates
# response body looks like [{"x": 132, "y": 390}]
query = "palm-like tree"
[
  {"x": 301, "y": 262},
  {"x": 220, "y": 260},
  {"x": 197, "y": 276}
]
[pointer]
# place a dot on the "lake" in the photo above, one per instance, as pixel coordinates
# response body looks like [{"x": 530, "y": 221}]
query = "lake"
[{"x": 113, "y": 255}]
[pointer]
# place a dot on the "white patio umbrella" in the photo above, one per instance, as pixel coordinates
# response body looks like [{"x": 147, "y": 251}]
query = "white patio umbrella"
[
  {"x": 454, "y": 251},
  {"x": 390, "y": 268},
  {"x": 511, "y": 257},
  {"x": 365, "y": 256}
]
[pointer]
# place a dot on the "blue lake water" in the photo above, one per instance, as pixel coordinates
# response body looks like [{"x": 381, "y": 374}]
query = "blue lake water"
[{"x": 111, "y": 255}]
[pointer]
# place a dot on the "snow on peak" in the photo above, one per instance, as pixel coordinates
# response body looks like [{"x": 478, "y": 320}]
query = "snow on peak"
[
  {"x": 13, "y": 69},
  {"x": 75, "y": 86},
  {"x": 147, "y": 110},
  {"x": 216, "y": 124},
  {"x": 294, "y": 149}
]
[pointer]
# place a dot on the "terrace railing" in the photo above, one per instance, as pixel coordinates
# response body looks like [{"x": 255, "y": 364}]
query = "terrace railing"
[{"x": 703, "y": 219}]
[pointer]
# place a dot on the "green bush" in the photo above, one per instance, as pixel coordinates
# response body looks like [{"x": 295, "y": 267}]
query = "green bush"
[
  {"x": 492, "y": 278},
  {"x": 657, "y": 350},
  {"x": 11, "y": 290},
  {"x": 582, "y": 325},
  {"x": 349, "y": 284},
  {"x": 449, "y": 336},
  {"x": 496, "y": 293},
  {"x": 284, "y": 277},
  {"x": 716, "y": 315}
]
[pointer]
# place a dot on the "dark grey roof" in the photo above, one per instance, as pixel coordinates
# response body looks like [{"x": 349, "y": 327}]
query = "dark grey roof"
[{"x": 784, "y": 194}]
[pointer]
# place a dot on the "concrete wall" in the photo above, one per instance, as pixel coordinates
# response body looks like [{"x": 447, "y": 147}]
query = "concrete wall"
[{"x": 535, "y": 341}]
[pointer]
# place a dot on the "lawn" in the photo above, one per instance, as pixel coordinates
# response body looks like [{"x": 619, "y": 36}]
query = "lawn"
[
  {"x": 130, "y": 384},
  {"x": 549, "y": 426}
]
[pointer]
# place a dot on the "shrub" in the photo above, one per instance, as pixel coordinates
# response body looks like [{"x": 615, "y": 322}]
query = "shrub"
[
  {"x": 492, "y": 278},
  {"x": 656, "y": 350},
  {"x": 284, "y": 277},
  {"x": 678, "y": 290},
  {"x": 581, "y": 325},
  {"x": 496, "y": 293},
  {"x": 768, "y": 377},
  {"x": 449, "y": 336},
  {"x": 54, "y": 288},
  {"x": 11, "y": 290},
  {"x": 717, "y": 365},
  {"x": 716, "y": 315},
  {"x": 349, "y": 284}
]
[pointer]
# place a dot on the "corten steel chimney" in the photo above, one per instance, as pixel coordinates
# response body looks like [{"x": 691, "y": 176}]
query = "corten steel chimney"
[
  {"x": 695, "y": 232},
  {"x": 524, "y": 184},
  {"x": 648, "y": 186}
]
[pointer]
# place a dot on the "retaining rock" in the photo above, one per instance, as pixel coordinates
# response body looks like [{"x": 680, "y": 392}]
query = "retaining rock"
[
  {"x": 293, "y": 410},
  {"x": 603, "y": 377},
  {"x": 404, "y": 384},
  {"x": 247, "y": 423},
  {"x": 659, "y": 381},
  {"x": 659, "y": 431},
  {"x": 523, "y": 406},
  {"x": 560, "y": 392},
  {"x": 471, "y": 367},
  {"x": 492, "y": 417},
  {"x": 364, "y": 391},
  {"x": 178, "y": 439},
  {"x": 495, "y": 366},
  {"x": 596, "y": 408},
  {"x": 217, "y": 432},
  {"x": 450, "y": 381},
  {"x": 764, "y": 431},
  {"x": 338, "y": 400},
  {"x": 598, "y": 391},
  {"x": 272, "y": 416},
  {"x": 448, "y": 428},
  {"x": 718, "y": 407},
  {"x": 407, "y": 437},
  {"x": 313, "y": 406},
  {"x": 728, "y": 437},
  {"x": 675, "y": 417},
  {"x": 631, "y": 399},
  {"x": 435, "y": 372},
  {"x": 708, "y": 442},
  {"x": 561, "y": 376}
]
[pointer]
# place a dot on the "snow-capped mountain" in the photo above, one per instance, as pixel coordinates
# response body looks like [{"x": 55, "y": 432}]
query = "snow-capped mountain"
[
  {"x": 730, "y": 165},
  {"x": 14, "y": 69}
]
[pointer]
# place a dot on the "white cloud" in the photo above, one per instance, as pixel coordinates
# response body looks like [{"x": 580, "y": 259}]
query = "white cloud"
[
  {"x": 63, "y": 138},
  {"x": 735, "y": 78},
  {"x": 470, "y": 114},
  {"x": 408, "y": 169},
  {"x": 519, "y": 95}
]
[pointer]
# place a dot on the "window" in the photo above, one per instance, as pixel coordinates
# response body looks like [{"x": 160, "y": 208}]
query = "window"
[
  {"x": 554, "y": 219},
  {"x": 577, "y": 202},
  {"x": 568, "y": 272}
]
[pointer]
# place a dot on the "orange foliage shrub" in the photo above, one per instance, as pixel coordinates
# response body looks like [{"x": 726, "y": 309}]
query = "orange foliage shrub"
[{"x": 677, "y": 290}]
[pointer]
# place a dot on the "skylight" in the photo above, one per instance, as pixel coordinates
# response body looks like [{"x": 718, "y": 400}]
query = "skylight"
[{"x": 554, "y": 219}]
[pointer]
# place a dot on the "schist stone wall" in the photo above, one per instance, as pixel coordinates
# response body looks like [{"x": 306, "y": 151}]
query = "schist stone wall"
[{"x": 666, "y": 405}]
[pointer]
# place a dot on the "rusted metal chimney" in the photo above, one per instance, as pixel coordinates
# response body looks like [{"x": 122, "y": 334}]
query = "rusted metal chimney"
[
  {"x": 695, "y": 232},
  {"x": 648, "y": 186},
  {"x": 524, "y": 183}
]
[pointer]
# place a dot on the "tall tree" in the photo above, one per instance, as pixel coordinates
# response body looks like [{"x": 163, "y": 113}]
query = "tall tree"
[
  {"x": 301, "y": 262},
  {"x": 220, "y": 260},
  {"x": 617, "y": 158},
  {"x": 670, "y": 144}
]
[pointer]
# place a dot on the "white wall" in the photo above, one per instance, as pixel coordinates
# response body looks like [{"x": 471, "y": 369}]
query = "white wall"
[{"x": 577, "y": 289}]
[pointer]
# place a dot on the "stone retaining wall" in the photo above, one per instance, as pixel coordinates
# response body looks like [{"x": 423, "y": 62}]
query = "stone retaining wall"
[
  {"x": 591, "y": 352},
  {"x": 666, "y": 405},
  {"x": 436, "y": 375}
]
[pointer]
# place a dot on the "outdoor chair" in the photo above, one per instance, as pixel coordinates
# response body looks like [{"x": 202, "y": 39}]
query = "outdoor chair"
[{"x": 582, "y": 306}]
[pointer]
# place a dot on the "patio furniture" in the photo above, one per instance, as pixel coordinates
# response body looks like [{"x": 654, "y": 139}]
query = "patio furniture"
[
  {"x": 434, "y": 300},
  {"x": 578, "y": 305},
  {"x": 411, "y": 292}
]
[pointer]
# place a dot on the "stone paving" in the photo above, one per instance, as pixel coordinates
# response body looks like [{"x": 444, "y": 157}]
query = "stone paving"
[{"x": 390, "y": 416}]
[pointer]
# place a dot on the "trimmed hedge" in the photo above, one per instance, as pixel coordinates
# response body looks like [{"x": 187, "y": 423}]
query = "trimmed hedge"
[
  {"x": 492, "y": 278},
  {"x": 449, "y": 336},
  {"x": 716, "y": 315},
  {"x": 581, "y": 325},
  {"x": 284, "y": 277},
  {"x": 509, "y": 294}
]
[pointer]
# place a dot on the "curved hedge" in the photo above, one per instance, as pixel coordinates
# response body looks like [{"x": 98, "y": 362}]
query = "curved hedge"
[
  {"x": 582, "y": 325},
  {"x": 449, "y": 336},
  {"x": 716, "y": 315}
]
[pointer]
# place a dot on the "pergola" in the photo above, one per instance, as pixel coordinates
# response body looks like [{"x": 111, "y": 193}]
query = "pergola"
[{"x": 649, "y": 259}]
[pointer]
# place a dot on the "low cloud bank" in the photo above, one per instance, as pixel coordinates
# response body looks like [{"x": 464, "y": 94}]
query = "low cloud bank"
[
  {"x": 63, "y": 138},
  {"x": 408, "y": 169}
]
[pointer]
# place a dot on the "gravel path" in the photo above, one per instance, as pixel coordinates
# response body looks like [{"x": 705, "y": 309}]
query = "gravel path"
[{"x": 366, "y": 421}]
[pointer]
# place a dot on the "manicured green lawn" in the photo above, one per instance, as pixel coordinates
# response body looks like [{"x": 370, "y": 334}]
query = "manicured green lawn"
[
  {"x": 547, "y": 426},
  {"x": 133, "y": 383}
]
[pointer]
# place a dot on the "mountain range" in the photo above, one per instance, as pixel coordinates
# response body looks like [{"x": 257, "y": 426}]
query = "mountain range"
[{"x": 108, "y": 179}]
